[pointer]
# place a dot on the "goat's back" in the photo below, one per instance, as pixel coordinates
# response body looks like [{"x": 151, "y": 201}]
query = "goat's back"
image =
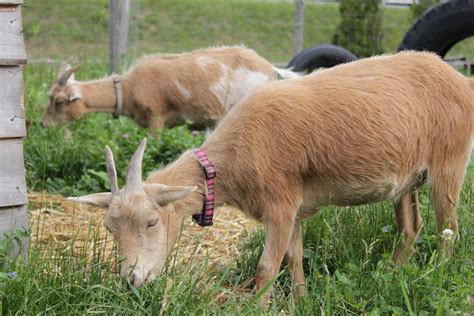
[
  {"x": 200, "y": 86},
  {"x": 208, "y": 59},
  {"x": 370, "y": 128}
]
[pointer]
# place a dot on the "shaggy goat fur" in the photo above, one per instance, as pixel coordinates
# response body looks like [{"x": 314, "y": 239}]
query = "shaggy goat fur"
[
  {"x": 167, "y": 89},
  {"x": 363, "y": 132}
]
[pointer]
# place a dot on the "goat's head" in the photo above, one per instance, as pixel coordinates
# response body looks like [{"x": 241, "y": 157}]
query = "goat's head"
[
  {"x": 143, "y": 218},
  {"x": 65, "y": 104}
]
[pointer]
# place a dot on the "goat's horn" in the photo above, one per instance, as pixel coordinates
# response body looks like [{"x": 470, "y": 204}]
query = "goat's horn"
[
  {"x": 65, "y": 65},
  {"x": 111, "y": 171},
  {"x": 133, "y": 180},
  {"x": 65, "y": 76}
]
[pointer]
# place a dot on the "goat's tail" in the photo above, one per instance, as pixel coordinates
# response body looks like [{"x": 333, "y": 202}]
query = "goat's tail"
[{"x": 287, "y": 73}]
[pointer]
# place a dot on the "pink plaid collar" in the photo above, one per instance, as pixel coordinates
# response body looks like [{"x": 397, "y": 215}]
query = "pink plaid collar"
[{"x": 205, "y": 217}]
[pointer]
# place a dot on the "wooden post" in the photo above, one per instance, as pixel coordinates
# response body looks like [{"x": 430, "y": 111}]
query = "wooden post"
[
  {"x": 119, "y": 14},
  {"x": 299, "y": 24},
  {"x": 13, "y": 194}
]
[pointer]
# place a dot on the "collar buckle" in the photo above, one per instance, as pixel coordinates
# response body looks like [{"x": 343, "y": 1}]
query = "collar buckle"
[{"x": 209, "y": 171}]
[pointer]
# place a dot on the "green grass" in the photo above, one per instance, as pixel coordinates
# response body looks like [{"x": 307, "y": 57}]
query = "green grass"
[
  {"x": 347, "y": 251},
  {"x": 347, "y": 261},
  {"x": 72, "y": 28}
]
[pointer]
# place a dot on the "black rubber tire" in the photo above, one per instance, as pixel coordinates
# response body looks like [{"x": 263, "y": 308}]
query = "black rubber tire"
[
  {"x": 320, "y": 56},
  {"x": 441, "y": 27}
]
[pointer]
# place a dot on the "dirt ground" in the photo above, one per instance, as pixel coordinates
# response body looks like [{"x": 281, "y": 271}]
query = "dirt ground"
[{"x": 72, "y": 226}]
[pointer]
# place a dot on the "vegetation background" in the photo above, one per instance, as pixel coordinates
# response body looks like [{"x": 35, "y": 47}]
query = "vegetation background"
[
  {"x": 347, "y": 253},
  {"x": 360, "y": 30}
]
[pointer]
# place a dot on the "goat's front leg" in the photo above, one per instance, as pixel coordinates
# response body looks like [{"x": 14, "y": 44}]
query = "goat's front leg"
[
  {"x": 294, "y": 260},
  {"x": 155, "y": 122},
  {"x": 279, "y": 227}
]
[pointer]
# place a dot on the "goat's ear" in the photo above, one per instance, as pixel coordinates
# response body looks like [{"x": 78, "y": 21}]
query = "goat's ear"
[
  {"x": 74, "y": 93},
  {"x": 73, "y": 97},
  {"x": 164, "y": 194},
  {"x": 97, "y": 199}
]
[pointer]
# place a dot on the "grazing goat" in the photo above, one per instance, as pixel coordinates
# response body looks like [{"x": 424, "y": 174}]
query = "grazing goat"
[
  {"x": 165, "y": 90},
  {"x": 363, "y": 132}
]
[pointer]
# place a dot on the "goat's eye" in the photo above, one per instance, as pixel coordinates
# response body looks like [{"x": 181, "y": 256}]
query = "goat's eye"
[{"x": 152, "y": 223}]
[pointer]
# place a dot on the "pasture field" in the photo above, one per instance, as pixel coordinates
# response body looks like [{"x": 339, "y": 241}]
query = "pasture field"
[
  {"x": 347, "y": 251},
  {"x": 56, "y": 29}
]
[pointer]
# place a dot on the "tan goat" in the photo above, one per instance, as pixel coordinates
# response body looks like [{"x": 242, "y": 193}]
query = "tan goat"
[
  {"x": 165, "y": 90},
  {"x": 363, "y": 132}
]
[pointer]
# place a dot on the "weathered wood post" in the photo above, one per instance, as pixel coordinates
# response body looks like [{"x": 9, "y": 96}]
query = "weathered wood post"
[
  {"x": 119, "y": 14},
  {"x": 13, "y": 195},
  {"x": 299, "y": 25}
]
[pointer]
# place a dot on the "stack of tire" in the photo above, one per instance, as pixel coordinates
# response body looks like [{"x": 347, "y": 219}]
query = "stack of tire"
[
  {"x": 437, "y": 30},
  {"x": 441, "y": 27},
  {"x": 325, "y": 56}
]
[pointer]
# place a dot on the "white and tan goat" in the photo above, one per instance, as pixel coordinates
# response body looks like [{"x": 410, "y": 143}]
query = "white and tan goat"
[
  {"x": 368, "y": 131},
  {"x": 165, "y": 90}
]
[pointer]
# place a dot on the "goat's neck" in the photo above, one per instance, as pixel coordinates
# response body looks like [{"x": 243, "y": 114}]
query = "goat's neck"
[
  {"x": 100, "y": 96},
  {"x": 187, "y": 171}
]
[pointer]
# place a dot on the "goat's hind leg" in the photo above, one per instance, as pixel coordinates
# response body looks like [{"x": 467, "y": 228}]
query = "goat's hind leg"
[
  {"x": 409, "y": 224},
  {"x": 445, "y": 176},
  {"x": 446, "y": 189}
]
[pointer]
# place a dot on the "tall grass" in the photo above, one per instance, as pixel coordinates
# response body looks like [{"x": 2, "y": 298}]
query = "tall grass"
[{"x": 347, "y": 263}]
